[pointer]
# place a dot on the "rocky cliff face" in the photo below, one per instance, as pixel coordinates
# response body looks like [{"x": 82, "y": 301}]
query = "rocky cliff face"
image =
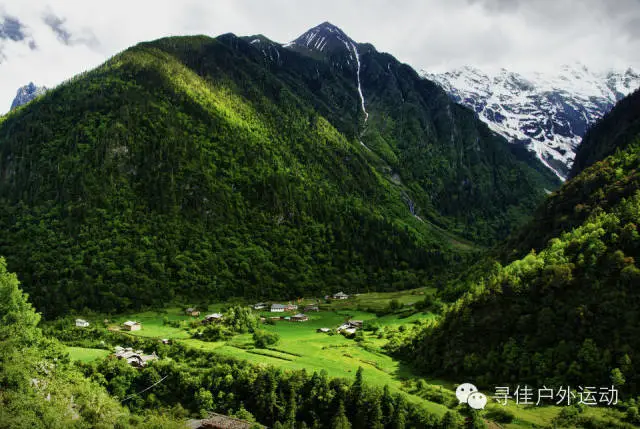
[{"x": 26, "y": 94}]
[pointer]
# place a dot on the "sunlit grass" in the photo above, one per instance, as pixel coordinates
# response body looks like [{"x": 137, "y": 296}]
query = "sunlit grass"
[{"x": 83, "y": 354}]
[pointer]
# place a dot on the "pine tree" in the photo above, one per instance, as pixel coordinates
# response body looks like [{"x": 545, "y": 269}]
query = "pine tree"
[
  {"x": 292, "y": 408},
  {"x": 340, "y": 420},
  {"x": 374, "y": 414},
  {"x": 357, "y": 402},
  {"x": 617, "y": 378},
  {"x": 387, "y": 407},
  {"x": 400, "y": 415}
]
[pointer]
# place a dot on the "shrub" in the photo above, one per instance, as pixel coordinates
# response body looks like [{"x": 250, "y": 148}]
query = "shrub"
[
  {"x": 264, "y": 339},
  {"x": 500, "y": 415}
]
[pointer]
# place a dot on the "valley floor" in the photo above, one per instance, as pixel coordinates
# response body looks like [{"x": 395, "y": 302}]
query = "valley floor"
[{"x": 302, "y": 347}]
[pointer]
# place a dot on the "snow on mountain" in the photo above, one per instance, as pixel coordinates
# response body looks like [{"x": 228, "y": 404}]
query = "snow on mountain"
[
  {"x": 325, "y": 37},
  {"x": 549, "y": 112},
  {"x": 26, "y": 94},
  {"x": 328, "y": 41}
]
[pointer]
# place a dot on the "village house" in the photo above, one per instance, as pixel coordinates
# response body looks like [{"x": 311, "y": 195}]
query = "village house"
[
  {"x": 277, "y": 308},
  {"x": 290, "y": 307},
  {"x": 134, "y": 357},
  {"x": 259, "y": 306},
  {"x": 340, "y": 295},
  {"x": 130, "y": 325},
  {"x": 312, "y": 307},
  {"x": 350, "y": 327},
  {"x": 81, "y": 323},
  {"x": 346, "y": 328},
  {"x": 356, "y": 323},
  {"x": 192, "y": 312},
  {"x": 299, "y": 318},
  {"x": 214, "y": 317}
]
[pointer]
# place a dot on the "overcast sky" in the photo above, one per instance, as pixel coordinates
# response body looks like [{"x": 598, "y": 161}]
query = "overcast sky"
[{"x": 47, "y": 41}]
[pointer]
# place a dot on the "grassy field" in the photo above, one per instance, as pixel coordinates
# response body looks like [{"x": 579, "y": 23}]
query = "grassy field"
[
  {"x": 153, "y": 322},
  {"x": 378, "y": 301},
  {"x": 86, "y": 355},
  {"x": 302, "y": 347}
]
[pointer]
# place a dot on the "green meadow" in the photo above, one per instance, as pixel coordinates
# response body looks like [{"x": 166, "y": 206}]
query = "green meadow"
[
  {"x": 84, "y": 354},
  {"x": 301, "y": 347}
]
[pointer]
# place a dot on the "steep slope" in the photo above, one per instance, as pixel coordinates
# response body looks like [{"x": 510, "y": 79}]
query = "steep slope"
[
  {"x": 547, "y": 112},
  {"x": 462, "y": 175},
  {"x": 568, "y": 313},
  {"x": 621, "y": 127},
  {"x": 209, "y": 168},
  {"x": 578, "y": 199},
  {"x": 144, "y": 180},
  {"x": 26, "y": 94}
]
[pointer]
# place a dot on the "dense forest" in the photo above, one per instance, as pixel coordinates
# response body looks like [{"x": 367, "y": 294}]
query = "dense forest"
[
  {"x": 201, "y": 383},
  {"x": 192, "y": 167},
  {"x": 567, "y": 312},
  {"x": 618, "y": 129},
  {"x": 40, "y": 388}
]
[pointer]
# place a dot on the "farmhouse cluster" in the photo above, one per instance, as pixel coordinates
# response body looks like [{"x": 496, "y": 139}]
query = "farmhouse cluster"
[
  {"x": 350, "y": 327},
  {"x": 134, "y": 358},
  {"x": 138, "y": 359}
]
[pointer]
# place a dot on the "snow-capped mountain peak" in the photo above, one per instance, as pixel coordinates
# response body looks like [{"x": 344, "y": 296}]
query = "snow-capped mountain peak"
[
  {"x": 325, "y": 38},
  {"x": 26, "y": 94},
  {"x": 330, "y": 42},
  {"x": 549, "y": 112}
]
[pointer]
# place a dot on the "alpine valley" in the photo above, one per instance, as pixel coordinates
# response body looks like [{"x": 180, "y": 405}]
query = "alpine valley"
[{"x": 233, "y": 232}]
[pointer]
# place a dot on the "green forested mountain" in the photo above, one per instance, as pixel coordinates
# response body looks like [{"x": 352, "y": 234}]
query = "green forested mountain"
[
  {"x": 578, "y": 199},
  {"x": 619, "y": 128},
  {"x": 567, "y": 312},
  {"x": 462, "y": 175},
  {"x": 212, "y": 168}
]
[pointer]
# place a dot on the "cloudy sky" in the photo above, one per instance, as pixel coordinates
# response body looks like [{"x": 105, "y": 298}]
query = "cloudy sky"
[{"x": 47, "y": 41}]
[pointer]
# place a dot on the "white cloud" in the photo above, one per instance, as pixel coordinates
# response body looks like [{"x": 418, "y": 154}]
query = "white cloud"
[{"x": 431, "y": 34}]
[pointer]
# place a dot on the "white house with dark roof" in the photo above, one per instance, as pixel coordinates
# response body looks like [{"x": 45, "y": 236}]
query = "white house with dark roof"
[
  {"x": 300, "y": 318},
  {"x": 214, "y": 317},
  {"x": 81, "y": 323},
  {"x": 277, "y": 308}
]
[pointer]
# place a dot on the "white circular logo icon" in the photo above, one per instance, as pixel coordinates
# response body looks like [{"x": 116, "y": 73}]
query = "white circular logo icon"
[
  {"x": 477, "y": 401},
  {"x": 464, "y": 390}
]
